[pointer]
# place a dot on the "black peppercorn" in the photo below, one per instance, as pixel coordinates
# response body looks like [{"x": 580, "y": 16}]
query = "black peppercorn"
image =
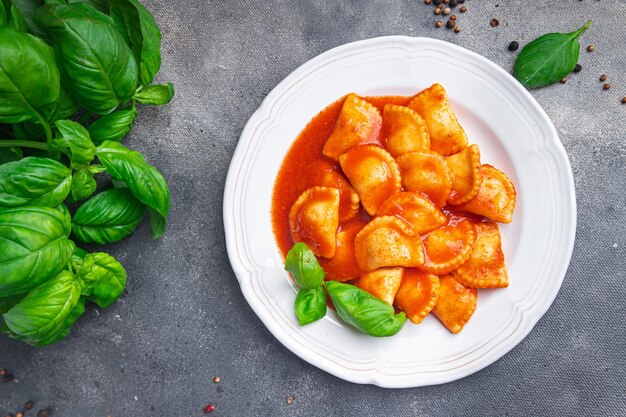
[
  {"x": 578, "y": 68},
  {"x": 450, "y": 24},
  {"x": 514, "y": 46}
]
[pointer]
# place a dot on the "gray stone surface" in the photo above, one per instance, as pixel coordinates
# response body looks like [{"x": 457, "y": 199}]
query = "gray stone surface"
[{"x": 183, "y": 318}]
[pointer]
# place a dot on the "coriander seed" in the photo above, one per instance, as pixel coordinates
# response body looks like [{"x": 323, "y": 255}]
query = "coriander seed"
[
  {"x": 290, "y": 400},
  {"x": 457, "y": 29},
  {"x": 624, "y": 100},
  {"x": 453, "y": 17},
  {"x": 591, "y": 48},
  {"x": 603, "y": 77},
  {"x": 563, "y": 80},
  {"x": 438, "y": 24},
  {"x": 463, "y": 9},
  {"x": 447, "y": 11},
  {"x": 606, "y": 86},
  {"x": 427, "y": 1},
  {"x": 217, "y": 379},
  {"x": 437, "y": 10}
]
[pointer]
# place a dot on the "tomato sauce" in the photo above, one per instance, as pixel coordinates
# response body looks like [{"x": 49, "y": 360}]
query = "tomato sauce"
[{"x": 300, "y": 168}]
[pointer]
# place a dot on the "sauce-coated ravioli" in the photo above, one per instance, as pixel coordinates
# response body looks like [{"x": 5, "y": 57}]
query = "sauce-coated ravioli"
[
  {"x": 327, "y": 175},
  {"x": 314, "y": 218},
  {"x": 382, "y": 283},
  {"x": 447, "y": 137},
  {"x": 404, "y": 130},
  {"x": 417, "y": 294},
  {"x": 456, "y": 303},
  {"x": 415, "y": 209},
  {"x": 464, "y": 168},
  {"x": 358, "y": 122},
  {"x": 342, "y": 266},
  {"x": 485, "y": 268},
  {"x": 448, "y": 247},
  {"x": 373, "y": 173},
  {"x": 426, "y": 172},
  {"x": 496, "y": 196},
  {"x": 387, "y": 241}
]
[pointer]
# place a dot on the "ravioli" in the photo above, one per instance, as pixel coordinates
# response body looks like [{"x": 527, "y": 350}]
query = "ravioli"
[
  {"x": 387, "y": 241},
  {"x": 417, "y": 294},
  {"x": 314, "y": 218},
  {"x": 496, "y": 196},
  {"x": 342, "y": 266},
  {"x": 485, "y": 268},
  {"x": 358, "y": 122},
  {"x": 426, "y": 172},
  {"x": 415, "y": 209},
  {"x": 329, "y": 176},
  {"x": 448, "y": 247},
  {"x": 373, "y": 173},
  {"x": 456, "y": 303},
  {"x": 447, "y": 137},
  {"x": 464, "y": 168},
  {"x": 382, "y": 283},
  {"x": 404, "y": 130}
]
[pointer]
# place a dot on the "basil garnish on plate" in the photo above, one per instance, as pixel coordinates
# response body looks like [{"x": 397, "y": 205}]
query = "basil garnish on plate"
[{"x": 549, "y": 58}]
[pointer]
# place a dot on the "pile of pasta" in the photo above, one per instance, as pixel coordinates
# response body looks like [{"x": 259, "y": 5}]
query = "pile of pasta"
[{"x": 414, "y": 174}]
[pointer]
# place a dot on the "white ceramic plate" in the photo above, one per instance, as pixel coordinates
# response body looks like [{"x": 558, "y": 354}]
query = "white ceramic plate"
[{"x": 513, "y": 133}]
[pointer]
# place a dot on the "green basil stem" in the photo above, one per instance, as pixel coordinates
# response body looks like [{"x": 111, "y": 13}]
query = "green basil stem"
[
  {"x": 9, "y": 143},
  {"x": 85, "y": 117}
]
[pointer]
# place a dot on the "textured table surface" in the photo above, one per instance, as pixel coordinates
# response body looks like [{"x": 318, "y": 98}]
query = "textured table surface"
[{"x": 183, "y": 319}]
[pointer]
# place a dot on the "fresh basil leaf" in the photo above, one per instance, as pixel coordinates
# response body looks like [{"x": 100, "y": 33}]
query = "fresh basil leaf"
[
  {"x": 75, "y": 313},
  {"x": 29, "y": 79},
  {"x": 75, "y": 138},
  {"x": 143, "y": 180},
  {"x": 42, "y": 314},
  {"x": 156, "y": 94},
  {"x": 143, "y": 35},
  {"x": 108, "y": 217},
  {"x": 302, "y": 263},
  {"x": 83, "y": 184},
  {"x": 27, "y": 8},
  {"x": 113, "y": 126},
  {"x": 34, "y": 181},
  {"x": 15, "y": 20},
  {"x": 96, "y": 64},
  {"x": 3, "y": 15},
  {"x": 65, "y": 108},
  {"x": 310, "y": 305},
  {"x": 105, "y": 280},
  {"x": 549, "y": 58},
  {"x": 362, "y": 310},
  {"x": 34, "y": 247}
]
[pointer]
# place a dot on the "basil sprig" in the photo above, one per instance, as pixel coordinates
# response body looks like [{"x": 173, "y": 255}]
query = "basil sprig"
[
  {"x": 73, "y": 75},
  {"x": 549, "y": 58},
  {"x": 309, "y": 277}
]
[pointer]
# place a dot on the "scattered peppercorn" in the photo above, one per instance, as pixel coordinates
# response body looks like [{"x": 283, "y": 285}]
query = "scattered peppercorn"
[
  {"x": 437, "y": 2},
  {"x": 578, "y": 68},
  {"x": 450, "y": 24},
  {"x": 457, "y": 29},
  {"x": 494, "y": 22},
  {"x": 447, "y": 11},
  {"x": 591, "y": 48},
  {"x": 514, "y": 46},
  {"x": 453, "y": 17},
  {"x": 19, "y": 414},
  {"x": 209, "y": 408},
  {"x": 437, "y": 10},
  {"x": 43, "y": 413},
  {"x": 453, "y": 3},
  {"x": 29, "y": 405},
  {"x": 446, "y": 1},
  {"x": 624, "y": 100},
  {"x": 563, "y": 80},
  {"x": 603, "y": 77},
  {"x": 290, "y": 400},
  {"x": 217, "y": 379},
  {"x": 463, "y": 9},
  {"x": 427, "y": 1},
  {"x": 606, "y": 86},
  {"x": 438, "y": 24}
]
